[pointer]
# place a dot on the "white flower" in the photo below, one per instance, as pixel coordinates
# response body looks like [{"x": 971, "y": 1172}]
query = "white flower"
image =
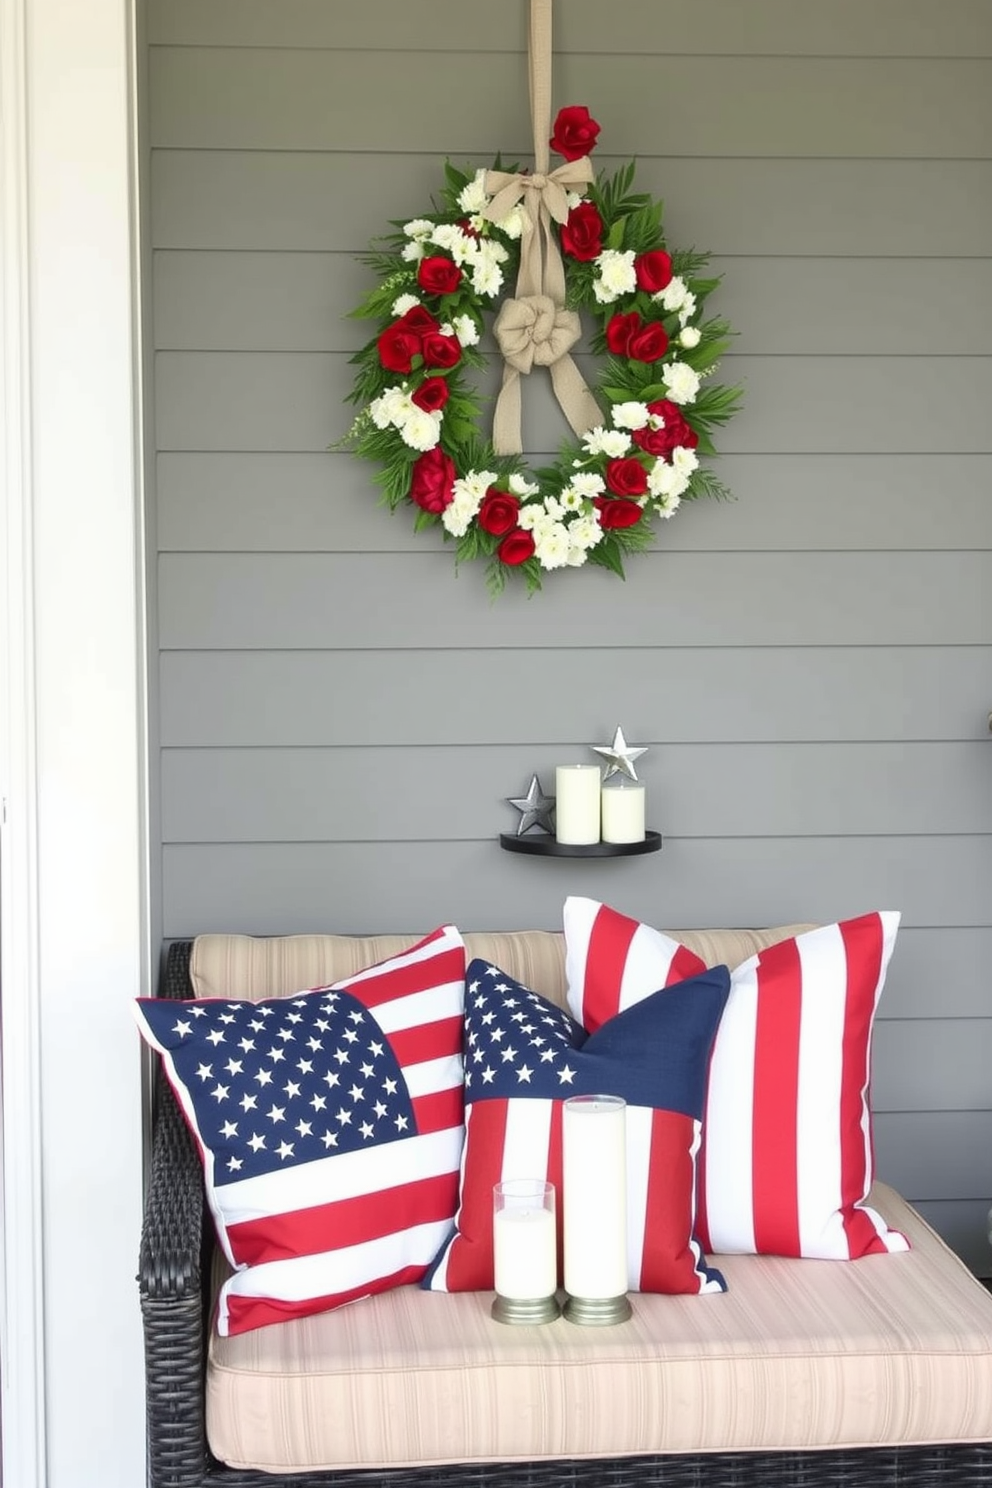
[
  {"x": 688, "y": 309},
  {"x": 684, "y": 460},
  {"x": 585, "y": 532},
  {"x": 413, "y": 252},
  {"x": 461, "y": 246},
  {"x": 611, "y": 442},
  {"x": 421, "y": 430},
  {"x": 392, "y": 407},
  {"x": 404, "y": 303},
  {"x": 630, "y": 415},
  {"x": 474, "y": 486},
  {"x": 674, "y": 294},
  {"x": 690, "y": 337},
  {"x": 551, "y": 545},
  {"x": 487, "y": 278},
  {"x": 573, "y": 198},
  {"x": 531, "y": 516},
  {"x": 664, "y": 481},
  {"x": 458, "y": 514},
  {"x": 466, "y": 330},
  {"x": 521, "y": 486},
  {"x": 473, "y": 197},
  {"x": 681, "y": 382},
  {"x": 571, "y": 500},
  {"x": 418, "y": 228},
  {"x": 616, "y": 275},
  {"x": 514, "y": 223},
  {"x": 668, "y": 506},
  {"x": 493, "y": 251},
  {"x": 587, "y": 484}
]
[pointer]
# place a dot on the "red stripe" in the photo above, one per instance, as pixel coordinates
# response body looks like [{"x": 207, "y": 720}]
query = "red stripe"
[
  {"x": 684, "y": 964},
  {"x": 702, "y": 1214},
  {"x": 606, "y": 956},
  {"x": 863, "y": 945},
  {"x": 667, "y": 1263},
  {"x": 470, "y": 1259},
  {"x": 373, "y": 987},
  {"x": 440, "y": 1110},
  {"x": 353, "y": 1221},
  {"x": 774, "y": 1131},
  {"x": 427, "y": 1040},
  {"x": 245, "y": 1313}
]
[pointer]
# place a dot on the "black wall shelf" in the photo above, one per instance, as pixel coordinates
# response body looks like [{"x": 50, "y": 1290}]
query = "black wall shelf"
[{"x": 543, "y": 846}]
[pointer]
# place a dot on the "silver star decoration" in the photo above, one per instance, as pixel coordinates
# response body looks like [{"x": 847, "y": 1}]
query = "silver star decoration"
[
  {"x": 619, "y": 756},
  {"x": 535, "y": 808}
]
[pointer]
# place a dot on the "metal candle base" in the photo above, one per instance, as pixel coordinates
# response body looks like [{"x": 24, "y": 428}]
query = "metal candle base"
[
  {"x": 525, "y": 1309},
  {"x": 597, "y": 1312}
]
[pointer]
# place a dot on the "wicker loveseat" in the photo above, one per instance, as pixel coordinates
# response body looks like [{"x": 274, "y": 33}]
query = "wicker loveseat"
[{"x": 914, "y": 1408}]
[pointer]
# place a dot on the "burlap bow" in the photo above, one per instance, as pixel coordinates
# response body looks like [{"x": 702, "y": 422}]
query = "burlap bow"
[{"x": 528, "y": 337}]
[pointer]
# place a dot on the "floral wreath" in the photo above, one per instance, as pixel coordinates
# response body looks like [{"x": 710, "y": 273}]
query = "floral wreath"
[{"x": 442, "y": 274}]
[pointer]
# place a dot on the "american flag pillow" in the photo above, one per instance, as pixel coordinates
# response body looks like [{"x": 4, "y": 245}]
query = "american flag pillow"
[
  {"x": 787, "y": 1157},
  {"x": 330, "y": 1126},
  {"x": 523, "y": 1057}
]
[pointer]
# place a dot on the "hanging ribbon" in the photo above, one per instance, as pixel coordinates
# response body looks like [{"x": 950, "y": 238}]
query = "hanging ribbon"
[{"x": 534, "y": 329}]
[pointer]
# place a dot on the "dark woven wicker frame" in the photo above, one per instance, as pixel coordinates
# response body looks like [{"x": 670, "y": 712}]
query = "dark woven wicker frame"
[{"x": 174, "y": 1267}]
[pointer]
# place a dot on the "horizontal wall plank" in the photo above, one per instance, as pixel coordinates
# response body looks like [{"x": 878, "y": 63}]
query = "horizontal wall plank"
[
  {"x": 391, "y": 794},
  {"x": 283, "y": 888},
  {"x": 325, "y": 99},
  {"x": 676, "y": 696},
  {"x": 941, "y": 1065},
  {"x": 936, "y": 1154},
  {"x": 208, "y": 501},
  {"x": 789, "y": 27},
  {"x": 275, "y": 199},
  {"x": 963, "y": 1225},
  {"x": 296, "y": 401},
  {"x": 250, "y": 301},
  {"x": 368, "y": 601}
]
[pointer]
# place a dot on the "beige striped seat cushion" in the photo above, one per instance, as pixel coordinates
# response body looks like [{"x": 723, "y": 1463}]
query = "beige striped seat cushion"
[{"x": 797, "y": 1354}]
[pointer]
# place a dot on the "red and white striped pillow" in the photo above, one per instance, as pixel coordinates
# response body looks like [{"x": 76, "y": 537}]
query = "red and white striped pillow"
[{"x": 787, "y": 1157}]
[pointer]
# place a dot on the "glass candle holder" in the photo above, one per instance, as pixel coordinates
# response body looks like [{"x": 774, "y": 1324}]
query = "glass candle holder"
[
  {"x": 594, "y": 1208},
  {"x": 525, "y": 1251}
]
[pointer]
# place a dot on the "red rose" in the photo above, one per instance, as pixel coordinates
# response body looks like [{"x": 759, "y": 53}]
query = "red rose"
[
  {"x": 516, "y": 547},
  {"x": 674, "y": 430},
  {"x": 438, "y": 275},
  {"x": 648, "y": 342},
  {"x": 465, "y": 223},
  {"x": 431, "y": 395},
  {"x": 440, "y": 351},
  {"x": 419, "y": 319},
  {"x": 432, "y": 481},
  {"x": 582, "y": 234},
  {"x": 498, "y": 512},
  {"x": 619, "y": 331},
  {"x": 617, "y": 513},
  {"x": 653, "y": 270},
  {"x": 397, "y": 347},
  {"x": 626, "y": 477},
  {"x": 575, "y": 132}
]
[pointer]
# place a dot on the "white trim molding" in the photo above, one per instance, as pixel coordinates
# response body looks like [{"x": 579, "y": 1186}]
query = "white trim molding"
[{"x": 22, "y": 1352}]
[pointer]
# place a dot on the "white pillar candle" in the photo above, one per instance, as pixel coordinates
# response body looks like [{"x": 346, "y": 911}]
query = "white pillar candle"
[
  {"x": 525, "y": 1251},
  {"x": 577, "y": 792},
  {"x": 623, "y": 812},
  {"x": 594, "y": 1195}
]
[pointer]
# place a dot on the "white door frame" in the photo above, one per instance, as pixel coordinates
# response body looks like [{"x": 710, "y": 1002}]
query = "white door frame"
[{"x": 73, "y": 851}]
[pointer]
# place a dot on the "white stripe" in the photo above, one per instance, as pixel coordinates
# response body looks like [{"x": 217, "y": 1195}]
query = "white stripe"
[
  {"x": 335, "y": 1271},
  {"x": 346, "y": 1175},
  {"x": 577, "y": 919},
  {"x": 528, "y": 1139},
  {"x": 433, "y": 1075},
  {"x": 450, "y": 939},
  {"x": 446, "y": 1000},
  {"x": 730, "y": 1118},
  {"x": 639, "y": 1119},
  {"x": 647, "y": 965},
  {"x": 823, "y": 964}
]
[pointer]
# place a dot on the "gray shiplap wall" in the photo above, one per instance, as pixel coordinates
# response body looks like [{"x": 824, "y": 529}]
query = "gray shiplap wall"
[{"x": 341, "y": 717}]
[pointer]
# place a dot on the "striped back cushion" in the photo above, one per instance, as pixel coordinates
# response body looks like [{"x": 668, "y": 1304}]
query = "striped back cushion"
[{"x": 787, "y": 1157}]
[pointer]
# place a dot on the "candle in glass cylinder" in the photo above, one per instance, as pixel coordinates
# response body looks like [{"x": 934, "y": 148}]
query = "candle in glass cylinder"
[
  {"x": 594, "y": 1196},
  {"x": 577, "y": 792},
  {"x": 525, "y": 1252},
  {"x": 623, "y": 812}
]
